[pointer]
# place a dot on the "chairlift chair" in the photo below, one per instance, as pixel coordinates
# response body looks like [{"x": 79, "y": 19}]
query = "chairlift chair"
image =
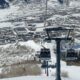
[
  {"x": 45, "y": 54},
  {"x": 71, "y": 55},
  {"x": 44, "y": 65}
]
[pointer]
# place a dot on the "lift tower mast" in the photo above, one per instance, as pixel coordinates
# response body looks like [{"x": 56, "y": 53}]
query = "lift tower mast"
[{"x": 58, "y": 41}]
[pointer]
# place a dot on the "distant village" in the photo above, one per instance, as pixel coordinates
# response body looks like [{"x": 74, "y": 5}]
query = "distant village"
[{"x": 12, "y": 35}]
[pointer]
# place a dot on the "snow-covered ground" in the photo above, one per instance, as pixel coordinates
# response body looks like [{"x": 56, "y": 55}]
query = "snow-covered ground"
[
  {"x": 34, "y": 78},
  {"x": 30, "y": 78}
]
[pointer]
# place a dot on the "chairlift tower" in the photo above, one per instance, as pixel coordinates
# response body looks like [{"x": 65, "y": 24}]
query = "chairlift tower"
[{"x": 58, "y": 41}]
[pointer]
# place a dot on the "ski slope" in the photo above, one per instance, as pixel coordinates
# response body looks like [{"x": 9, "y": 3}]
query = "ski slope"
[
  {"x": 72, "y": 71},
  {"x": 36, "y": 78}
]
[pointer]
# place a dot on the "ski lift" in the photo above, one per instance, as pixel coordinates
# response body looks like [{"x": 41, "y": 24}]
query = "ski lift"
[
  {"x": 71, "y": 55},
  {"x": 45, "y": 54}
]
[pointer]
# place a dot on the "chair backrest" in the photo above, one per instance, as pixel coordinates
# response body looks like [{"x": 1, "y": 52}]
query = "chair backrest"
[
  {"x": 45, "y": 53},
  {"x": 71, "y": 55}
]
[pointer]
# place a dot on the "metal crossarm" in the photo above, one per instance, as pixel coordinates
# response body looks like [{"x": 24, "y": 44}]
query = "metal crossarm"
[
  {"x": 69, "y": 38},
  {"x": 57, "y": 28}
]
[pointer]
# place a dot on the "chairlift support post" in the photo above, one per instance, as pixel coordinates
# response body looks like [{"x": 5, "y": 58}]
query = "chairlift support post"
[
  {"x": 58, "y": 40},
  {"x": 47, "y": 68},
  {"x": 58, "y": 60},
  {"x": 45, "y": 65}
]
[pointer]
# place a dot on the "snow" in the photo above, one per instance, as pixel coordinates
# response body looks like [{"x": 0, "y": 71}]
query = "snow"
[
  {"x": 5, "y": 46},
  {"x": 53, "y": 3},
  {"x": 58, "y": 16},
  {"x": 5, "y": 12},
  {"x": 34, "y": 78},
  {"x": 75, "y": 3},
  {"x": 73, "y": 72},
  {"x": 76, "y": 15},
  {"x": 31, "y": 44},
  {"x": 8, "y": 59},
  {"x": 5, "y": 25},
  {"x": 75, "y": 76}
]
